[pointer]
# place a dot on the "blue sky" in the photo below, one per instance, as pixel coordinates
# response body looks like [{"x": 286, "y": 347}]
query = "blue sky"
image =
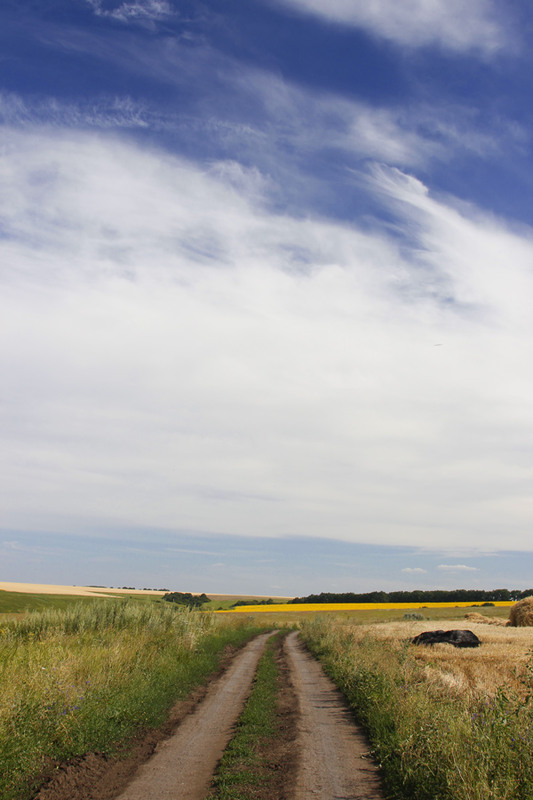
[{"x": 267, "y": 280}]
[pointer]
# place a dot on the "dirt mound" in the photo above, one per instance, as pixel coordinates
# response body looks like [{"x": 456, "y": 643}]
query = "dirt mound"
[{"x": 521, "y": 614}]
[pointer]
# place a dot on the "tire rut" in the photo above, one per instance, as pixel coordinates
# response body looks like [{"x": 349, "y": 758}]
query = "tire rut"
[{"x": 334, "y": 759}]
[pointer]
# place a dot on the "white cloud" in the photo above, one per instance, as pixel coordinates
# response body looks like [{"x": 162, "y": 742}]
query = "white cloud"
[
  {"x": 176, "y": 353},
  {"x": 414, "y": 570},
  {"x": 306, "y": 121},
  {"x": 459, "y": 25},
  {"x": 457, "y": 568}
]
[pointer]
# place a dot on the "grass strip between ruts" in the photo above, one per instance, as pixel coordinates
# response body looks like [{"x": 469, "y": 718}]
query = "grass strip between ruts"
[{"x": 241, "y": 774}]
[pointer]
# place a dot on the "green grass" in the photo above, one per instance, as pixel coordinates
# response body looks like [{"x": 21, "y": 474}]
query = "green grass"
[
  {"x": 240, "y": 770},
  {"x": 224, "y": 602},
  {"x": 431, "y": 745},
  {"x": 91, "y": 676},
  {"x": 21, "y": 602}
]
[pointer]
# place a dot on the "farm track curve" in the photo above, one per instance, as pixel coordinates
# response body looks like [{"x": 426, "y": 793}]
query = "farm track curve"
[{"x": 329, "y": 761}]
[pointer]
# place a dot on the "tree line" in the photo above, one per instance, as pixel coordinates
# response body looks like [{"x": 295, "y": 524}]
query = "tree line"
[
  {"x": 187, "y": 599},
  {"x": 418, "y": 596}
]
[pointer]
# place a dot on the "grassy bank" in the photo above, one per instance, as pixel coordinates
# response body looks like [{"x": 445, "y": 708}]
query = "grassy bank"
[
  {"x": 447, "y": 724},
  {"x": 89, "y": 677}
]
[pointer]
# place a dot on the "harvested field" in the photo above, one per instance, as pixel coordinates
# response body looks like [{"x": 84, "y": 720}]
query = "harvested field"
[
  {"x": 104, "y": 591},
  {"x": 47, "y": 588},
  {"x": 500, "y": 661},
  {"x": 484, "y": 620}
]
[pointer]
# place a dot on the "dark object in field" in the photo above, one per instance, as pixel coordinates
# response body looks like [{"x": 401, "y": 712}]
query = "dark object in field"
[{"x": 457, "y": 638}]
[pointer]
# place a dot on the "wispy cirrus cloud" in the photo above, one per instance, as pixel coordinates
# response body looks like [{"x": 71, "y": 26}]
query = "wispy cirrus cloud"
[
  {"x": 139, "y": 10},
  {"x": 402, "y": 136},
  {"x": 414, "y": 570},
  {"x": 102, "y": 113},
  {"x": 457, "y": 25},
  {"x": 257, "y": 115}
]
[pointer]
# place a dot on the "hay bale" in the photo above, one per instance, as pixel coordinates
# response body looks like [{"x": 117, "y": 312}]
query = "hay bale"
[{"x": 521, "y": 614}]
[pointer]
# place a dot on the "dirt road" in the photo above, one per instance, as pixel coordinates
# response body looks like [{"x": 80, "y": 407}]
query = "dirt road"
[
  {"x": 183, "y": 765},
  {"x": 319, "y": 753}
]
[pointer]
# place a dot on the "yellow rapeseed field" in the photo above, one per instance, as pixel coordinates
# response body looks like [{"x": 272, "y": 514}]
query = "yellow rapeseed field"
[{"x": 300, "y": 607}]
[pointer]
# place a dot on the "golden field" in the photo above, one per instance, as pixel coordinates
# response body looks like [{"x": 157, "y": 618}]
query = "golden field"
[
  {"x": 302, "y": 607},
  {"x": 500, "y": 661}
]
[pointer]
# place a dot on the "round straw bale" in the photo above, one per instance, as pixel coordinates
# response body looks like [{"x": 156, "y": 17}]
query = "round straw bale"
[{"x": 521, "y": 614}]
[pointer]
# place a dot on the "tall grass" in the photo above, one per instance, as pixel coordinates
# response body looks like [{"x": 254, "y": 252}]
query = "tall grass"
[
  {"x": 431, "y": 741},
  {"x": 90, "y": 677}
]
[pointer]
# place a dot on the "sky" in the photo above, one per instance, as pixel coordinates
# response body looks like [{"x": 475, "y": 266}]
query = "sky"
[{"x": 266, "y": 293}]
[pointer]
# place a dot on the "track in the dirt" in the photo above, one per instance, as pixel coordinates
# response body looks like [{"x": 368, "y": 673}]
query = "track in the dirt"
[
  {"x": 322, "y": 757},
  {"x": 334, "y": 759}
]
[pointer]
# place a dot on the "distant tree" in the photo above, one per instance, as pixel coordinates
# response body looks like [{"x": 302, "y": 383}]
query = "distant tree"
[
  {"x": 186, "y": 599},
  {"x": 268, "y": 602},
  {"x": 417, "y": 596}
]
